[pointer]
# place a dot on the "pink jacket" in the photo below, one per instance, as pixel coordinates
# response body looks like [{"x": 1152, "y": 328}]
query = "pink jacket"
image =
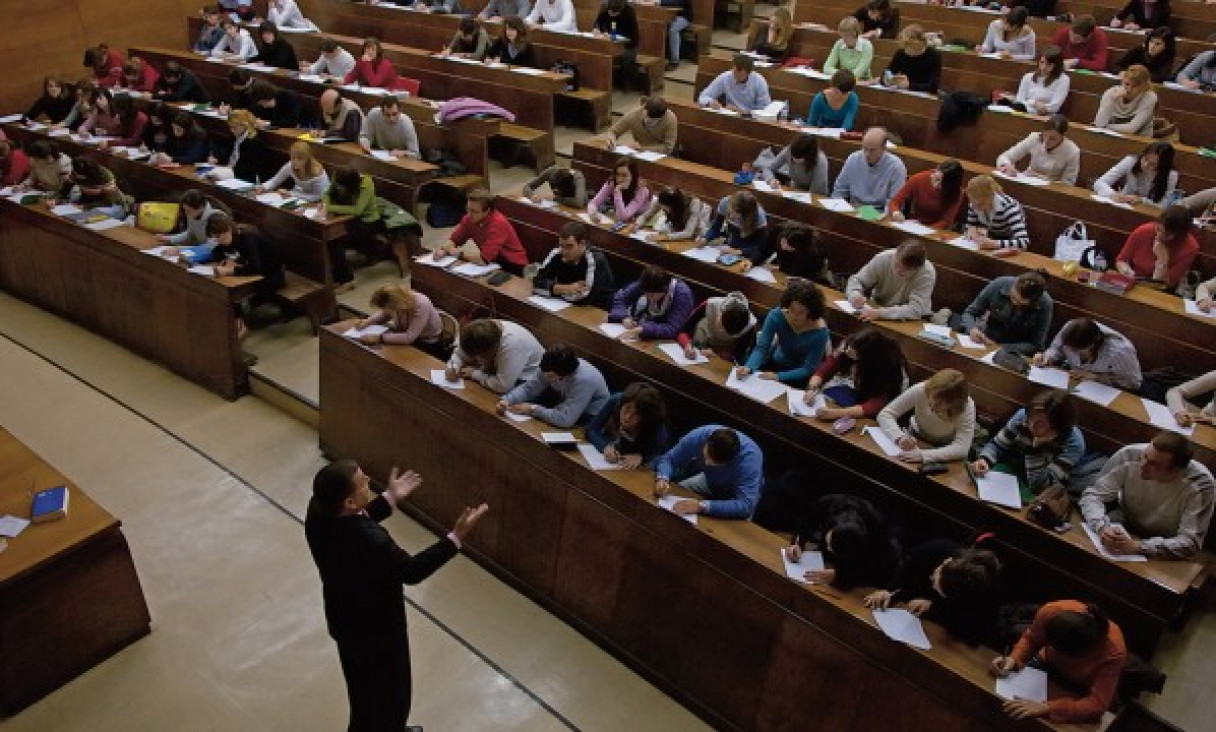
[{"x": 641, "y": 199}]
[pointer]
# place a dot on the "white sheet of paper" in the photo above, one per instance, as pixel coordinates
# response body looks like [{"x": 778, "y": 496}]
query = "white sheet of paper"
[
  {"x": 900, "y": 625},
  {"x": 9, "y": 118},
  {"x": 205, "y": 270},
  {"x": 799, "y": 408},
  {"x": 668, "y": 503},
  {"x": 761, "y": 274},
  {"x": 430, "y": 261},
  {"x": 703, "y": 254},
  {"x": 156, "y": 251},
  {"x": 1104, "y": 131},
  {"x": 846, "y": 306},
  {"x": 941, "y": 330},
  {"x": 104, "y": 224},
  {"x": 11, "y": 526},
  {"x": 1109, "y": 201},
  {"x": 836, "y": 204},
  {"x": 1000, "y": 488},
  {"x": 439, "y": 377},
  {"x": 66, "y": 209},
  {"x": 612, "y": 330},
  {"x": 311, "y": 213},
  {"x": 528, "y": 71},
  {"x": 382, "y": 155},
  {"x": 808, "y": 562},
  {"x": 623, "y": 150},
  {"x": 375, "y": 329},
  {"x": 595, "y": 460},
  {"x": 468, "y": 269},
  {"x": 234, "y": 184},
  {"x": 59, "y": 132},
  {"x": 799, "y": 196},
  {"x": 1160, "y": 416},
  {"x": 989, "y": 357},
  {"x": 754, "y": 387},
  {"x": 1097, "y": 542},
  {"x": 552, "y": 304},
  {"x": 271, "y": 198},
  {"x": 585, "y": 218},
  {"x": 762, "y": 186},
  {"x": 1190, "y": 307},
  {"x": 314, "y": 78},
  {"x": 676, "y": 353},
  {"x": 1030, "y": 180},
  {"x": 649, "y": 155},
  {"x": 963, "y": 242},
  {"x": 1048, "y": 376},
  {"x": 1096, "y": 392},
  {"x": 966, "y": 341},
  {"x": 517, "y": 417},
  {"x": 915, "y": 228},
  {"x": 880, "y": 438},
  {"x": 1029, "y": 684},
  {"x": 558, "y": 438}
]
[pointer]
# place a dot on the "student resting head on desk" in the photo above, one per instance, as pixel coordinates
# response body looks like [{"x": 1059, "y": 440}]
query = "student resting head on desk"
[
  {"x": 498, "y": 354},
  {"x": 50, "y": 169},
  {"x": 855, "y": 538},
  {"x": 724, "y": 326},
  {"x": 94, "y": 187},
  {"x": 676, "y": 216},
  {"x": 865, "y": 372},
  {"x": 631, "y": 428},
  {"x": 800, "y": 253}
]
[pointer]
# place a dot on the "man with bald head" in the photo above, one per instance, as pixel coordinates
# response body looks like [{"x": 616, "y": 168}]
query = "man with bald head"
[
  {"x": 872, "y": 175},
  {"x": 340, "y": 116}
]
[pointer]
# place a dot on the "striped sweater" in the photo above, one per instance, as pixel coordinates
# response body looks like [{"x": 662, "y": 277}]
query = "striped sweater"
[
  {"x": 1006, "y": 224},
  {"x": 1048, "y": 462}
]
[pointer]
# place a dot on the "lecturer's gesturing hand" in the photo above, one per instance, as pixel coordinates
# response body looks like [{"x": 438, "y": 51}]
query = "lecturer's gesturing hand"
[
  {"x": 401, "y": 485},
  {"x": 468, "y": 519}
]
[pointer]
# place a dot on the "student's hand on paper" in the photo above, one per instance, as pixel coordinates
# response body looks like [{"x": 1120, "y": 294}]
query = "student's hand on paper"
[
  {"x": 1026, "y": 709},
  {"x": 742, "y": 372},
  {"x": 630, "y": 462},
  {"x": 369, "y": 339},
  {"x": 768, "y": 375},
  {"x": 686, "y": 506},
  {"x": 1117, "y": 540},
  {"x": 868, "y": 314},
  {"x": 691, "y": 353},
  {"x": 466, "y": 372},
  {"x": 981, "y": 467},
  {"x": 897, "y": 216},
  {"x": 1001, "y": 666},
  {"x": 1205, "y": 305},
  {"x": 661, "y": 487},
  {"x": 521, "y": 408},
  {"x": 631, "y": 334},
  {"x": 1038, "y": 360},
  {"x": 878, "y": 600},
  {"x": 1184, "y": 419},
  {"x": 793, "y": 552},
  {"x": 821, "y": 576},
  {"x": 978, "y": 336},
  {"x": 906, "y": 442},
  {"x": 401, "y": 485},
  {"x": 611, "y": 454},
  {"x": 919, "y": 606},
  {"x": 451, "y": 373},
  {"x": 808, "y": 397},
  {"x": 911, "y": 456},
  {"x": 501, "y": 407},
  {"x": 468, "y": 519}
]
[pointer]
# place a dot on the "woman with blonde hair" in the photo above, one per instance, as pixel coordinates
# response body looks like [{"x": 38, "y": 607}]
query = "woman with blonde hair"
[
  {"x": 850, "y": 52},
  {"x": 245, "y": 156},
  {"x": 994, "y": 219},
  {"x": 1129, "y": 107},
  {"x": 943, "y": 415},
  {"x": 773, "y": 40},
  {"x": 309, "y": 177},
  {"x": 411, "y": 319},
  {"x": 915, "y": 66}
]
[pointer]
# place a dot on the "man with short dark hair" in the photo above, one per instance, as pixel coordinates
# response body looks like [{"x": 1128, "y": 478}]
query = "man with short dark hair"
[
  {"x": 896, "y": 284},
  {"x": 575, "y": 271},
  {"x": 1083, "y": 44},
  {"x": 387, "y": 127},
  {"x": 334, "y": 62},
  {"x": 1163, "y": 494},
  {"x": 493, "y": 234},
  {"x": 1011, "y": 312},
  {"x": 276, "y": 107},
  {"x": 362, "y": 570},
  {"x": 721, "y": 464},
  {"x": 179, "y": 84},
  {"x": 566, "y": 391},
  {"x": 739, "y": 89},
  {"x": 653, "y": 126}
]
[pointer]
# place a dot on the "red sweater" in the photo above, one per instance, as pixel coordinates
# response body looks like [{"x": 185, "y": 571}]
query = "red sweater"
[
  {"x": 381, "y": 74},
  {"x": 1091, "y": 54},
  {"x": 1138, "y": 252},
  {"x": 927, "y": 205},
  {"x": 828, "y": 368},
  {"x": 147, "y": 79},
  {"x": 1098, "y": 670},
  {"x": 110, "y": 74},
  {"x": 494, "y": 236},
  {"x": 14, "y": 168}
]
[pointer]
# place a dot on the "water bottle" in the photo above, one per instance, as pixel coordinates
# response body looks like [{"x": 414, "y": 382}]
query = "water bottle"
[
  {"x": 612, "y": 31},
  {"x": 1099, "y": 260}
]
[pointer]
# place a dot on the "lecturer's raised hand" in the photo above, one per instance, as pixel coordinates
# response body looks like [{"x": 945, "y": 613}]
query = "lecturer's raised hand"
[
  {"x": 401, "y": 485},
  {"x": 468, "y": 519}
]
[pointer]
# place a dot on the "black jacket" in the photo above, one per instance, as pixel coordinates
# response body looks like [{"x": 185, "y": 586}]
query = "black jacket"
[
  {"x": 875, "y": 563},
  {"x": 279, "y": 54},
  {"x": 186, "y": 89},
  {"x": 254, "y": 254},
  {"x": 556, "y": 271}
]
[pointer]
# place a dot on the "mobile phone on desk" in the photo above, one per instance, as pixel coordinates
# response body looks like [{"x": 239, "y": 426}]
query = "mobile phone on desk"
[{"x": 933, "y": 468}]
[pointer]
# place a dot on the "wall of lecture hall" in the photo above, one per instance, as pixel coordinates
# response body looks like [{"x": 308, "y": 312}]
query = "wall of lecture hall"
[{"x": 41, "y": 37}]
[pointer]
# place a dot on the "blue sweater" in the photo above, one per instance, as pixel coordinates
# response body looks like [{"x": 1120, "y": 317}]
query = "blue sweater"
[
  {"x": 794, "y": 356},
  {"x": 734, "y": 487},
  {"x": 581, "y": 394},
  {"x": 648, "y": 446},
  {"x": 822, "y": 114},
  {"x": 755, "y": 246}
]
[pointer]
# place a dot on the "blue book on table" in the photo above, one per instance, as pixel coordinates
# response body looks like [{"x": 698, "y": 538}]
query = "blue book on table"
[{"x": 49, "y": 504}]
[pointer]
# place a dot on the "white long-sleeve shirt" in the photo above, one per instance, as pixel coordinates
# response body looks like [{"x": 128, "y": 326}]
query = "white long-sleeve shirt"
[
  {"x": 556, "y": 15},
  {"x": 337, "y": 66},
  {"x": 1020, "y": 48},
  {"x": 951, "y": 437},
  {"x": 243, "y": 46},
  {"x": 286, "y": 14},
  {"x": 1034, "y": 89},
  {"x": 1135, "y": 185},
  {"x": 516, "y": 360},
  {"x": 309, "y": 189}
]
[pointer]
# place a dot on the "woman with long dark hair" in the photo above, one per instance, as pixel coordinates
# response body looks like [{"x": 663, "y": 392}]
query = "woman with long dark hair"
[
  {"x": 1149, "y": 177},
  {"x": 932, "y": 197},
  {"x": 1156, "y": 54},
  {"x": 860, "y": 377},
  {"x": 631, "y": 429},
  {"x": 625, "y": 194},
  {"x": 685, "y": 217}
]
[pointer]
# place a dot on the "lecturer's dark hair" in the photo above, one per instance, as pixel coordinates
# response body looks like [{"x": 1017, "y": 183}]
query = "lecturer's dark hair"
[{"x": 333, "y": 483}]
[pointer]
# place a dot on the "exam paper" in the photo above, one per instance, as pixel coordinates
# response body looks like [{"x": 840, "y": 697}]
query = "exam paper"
[
  {"x": 808, "y": 562},
  {"x": 915, "y": 228},
  {"x": 885, "y": 443},
  {"x": 1190, "y": 307},
  {"x": 1097, "y": 542},
  {"x": 836, "y": 204},
  {"x": 612, "y": 330},
  {"x": 754, "y": 387},
  {"x": 963, "y": 242},
  {"x": 552, "y": 304},
  {"x": 761, "y": 274},
  {"x": 1160, "y": 416},
  {"x": 439, "y": 377},
  {"x": 900, "y": 625},
  {"x": 11, "y": 526},
  {"x": 966, "y": 341},
  {"x": 799, "y": 408},
  {"x": 846, "y": 306},
  {"x": 703, "y": 254},
  {"x": 375, "y": 329},
  {"x": 941, "y": 330},
  {"x": 669, "y": 502},
  {"x": 468, "y": 269},
  {"x": 1048, "y": 376},
  {"x": 1096, "y": 392},
  {"x": 676, "y": 353},
  {"x": 799, "y": 196},
  {"x": 517, "y": 417},
  {"x": 1029, "y": 684},
  {"x": 430, "y": 261},
  {"x": 595, "y": 460},
  {"x": 999, "y": 488}
]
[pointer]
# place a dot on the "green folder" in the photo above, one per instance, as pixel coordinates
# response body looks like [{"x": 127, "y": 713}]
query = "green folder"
[{"x": 869, "y": 213}]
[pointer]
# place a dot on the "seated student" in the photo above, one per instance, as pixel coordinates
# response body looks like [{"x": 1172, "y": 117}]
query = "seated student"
[
  {"x": 1010, "y": 36},
  {"x": 653, "y": 307},
  {"x": 179, "y": 84},
  {"x": 241, "y": 250},
  {"x": 1083, "y": 44},
  {"x": 800, "y": 254},
  {"x": 836, "y": 106},
  {"x": 624, "y": 194},
  {"x": 1092, "y": 351},
  {"x": 439, "y": 7},
  {"x": 286, "y": 14},
  {"x": 742, "y": 222},
  {"x": 683, "y": 217},
  {"x": 500, "y": 10},
  {"x": 236, "y": 44},
  {"x": 1156, "y": 54},
  {"x": 469, "y": 41},
  {"x": 1202, "y": 206},
  {"x": 724, "y": 326},
  {"x": 340, "y": 117},
  {"x": 553, "y": 15},
  {"x": 513, "y": 47},
  {"x": 373, "y": 69},
  {"x": 955, "y": 586},
  {"x": 498, "y": 354},
  {"x": 943, "y": 415},
  {"x": 872, "y": 175},
  {"x": 896, "y": 284},
  {"x": 931, "y": 197},
  {"x": 275, "y": 107},
  {"x": 157, "y": 131},
  {"x": 209, "y": 33},
  {"x": 652, "y": 125},
  {"x": 1142, "y": 15},
  {"x": 138, "y": 75},
  {"x": 1040, "y": 443},
  {"x": 308, "y": 177},
  {"x": 274, "y": 50},
  {"x": 1044, "y": 90},
  {"x": 197, "y": 209},
  {"x": 353, "y": 194},
  {"x": 1076, "y": 643},
  {"x": 739, "y": 89},
  {"x": 568, "y": 185},
  {"x": 575, "y": 271},
  {"x": 1149, "y": 177},
  {"x": 854, "y": 537},
  {"x": 187, "y": 143},
  {"x": 772, "y": 40},
  {"x": 851, "y": 52},
  {"x": 1162, "y": 494},
  {"x": 242, "y": 9},
  {"x": 55, "y": 103},
  {"x": 994, "y": 220},
  {"x": 14, "y": 163},
  {"x": 1053, "y": 156},
  {"x": 631, "y": 429},
  {"x": 94, "y": 187},
  {"x": 1178, "y": 398},
  {"x": 102, "y": 120},
  {"x": 618, "y": 20},
  {"x": 82, "y": 107},
  {"x": 411, "y": 318},
  {"x": 722, "y": 465},
  {"x": 1037, "y": 8},
  {"x": 129, "y": 131},
  {"x": 794, "y": 339},
  {"x": 800, "y": 165},
  {"x": 865, "y": 372},
  {"x": 1129, "y": 106},
  {"x": 1011, "y": 312},
  {"x": 105, "y": 65},
  {"x": 50, "y": 169},
  {"x": 1162, "y": 250},
  {"x": 1200, "y": 72},
  {"x": 246, "y": 155},
  {"x": 490, "y": 232},
  {"x": 332, "y": 64},
  {"x": 916, "y": 66},
  {"x": 878, "y": 18},
  {"x": 565, "y": 390},
  {"x": 386, "y": 127}
]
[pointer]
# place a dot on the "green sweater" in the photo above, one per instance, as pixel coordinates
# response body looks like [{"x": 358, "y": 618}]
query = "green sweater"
[
  {"x": 364, "y": 206},
  {"x": 856, "y": 59}
]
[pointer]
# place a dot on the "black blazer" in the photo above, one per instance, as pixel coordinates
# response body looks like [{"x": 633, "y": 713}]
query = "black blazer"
[
  {"x": 362, "y": 570},
  {"x": 527, "y": 57}
]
